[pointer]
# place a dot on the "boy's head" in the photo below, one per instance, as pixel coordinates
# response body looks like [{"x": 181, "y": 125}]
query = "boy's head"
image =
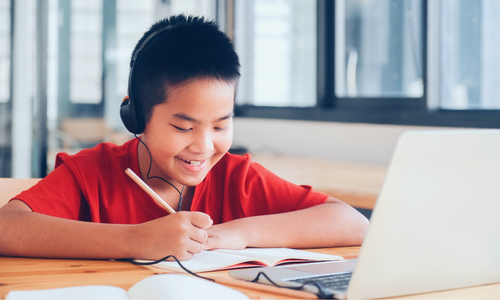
[{"x": 174, "y": 51}]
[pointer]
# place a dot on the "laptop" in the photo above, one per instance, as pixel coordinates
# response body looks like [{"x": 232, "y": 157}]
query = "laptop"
[{"x": 435, "y": 225}]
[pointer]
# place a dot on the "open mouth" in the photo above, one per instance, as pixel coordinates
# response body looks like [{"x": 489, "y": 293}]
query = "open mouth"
[{"x": 193, "y": 162}]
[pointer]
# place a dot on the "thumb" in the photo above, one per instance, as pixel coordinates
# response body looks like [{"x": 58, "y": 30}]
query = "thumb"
[{"x": 209, "y": 244}]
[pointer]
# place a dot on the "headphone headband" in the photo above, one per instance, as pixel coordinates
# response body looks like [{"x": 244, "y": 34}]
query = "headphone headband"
[
  {"x": 130, "y": 113},
  {"x": 145, "y": 42}
]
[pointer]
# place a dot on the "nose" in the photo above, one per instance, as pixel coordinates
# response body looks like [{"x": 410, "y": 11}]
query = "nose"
[{"x": 203, "y": 142}]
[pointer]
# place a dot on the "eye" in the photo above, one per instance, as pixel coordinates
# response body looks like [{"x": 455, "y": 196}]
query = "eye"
[
  {"x": 221, "y": 128},
  {"x": 182, "y": 129}
]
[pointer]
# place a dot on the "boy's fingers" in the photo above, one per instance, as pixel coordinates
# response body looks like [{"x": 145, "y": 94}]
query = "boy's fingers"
[
  {"x": 200, "y": 220},
  {"x": 207, "y": 245},
  {"x": 195, "y": 248},
  {"x": 214, "y": 242},
  {"x": 186, "y": 255},
  {"x": 210, "y": 244},
  {"x": 199, "y": 235}
]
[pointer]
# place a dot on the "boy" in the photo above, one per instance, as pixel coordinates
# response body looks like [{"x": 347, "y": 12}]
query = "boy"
[{"x": 182, "y": 85}]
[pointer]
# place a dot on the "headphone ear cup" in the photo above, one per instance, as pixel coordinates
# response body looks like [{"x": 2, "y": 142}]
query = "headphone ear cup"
[{"x": 129, "y": 117}]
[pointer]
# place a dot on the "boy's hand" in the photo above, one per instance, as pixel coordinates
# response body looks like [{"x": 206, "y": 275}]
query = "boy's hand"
[
  {"x": 181, "y": 234},
  {"x": 225, "y": 236}
]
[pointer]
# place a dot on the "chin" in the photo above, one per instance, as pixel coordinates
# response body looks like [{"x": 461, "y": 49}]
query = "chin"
[{"x": 193, "y": 181}]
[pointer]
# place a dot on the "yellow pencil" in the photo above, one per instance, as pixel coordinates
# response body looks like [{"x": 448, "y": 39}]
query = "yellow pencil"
[{"x": 149, "y": 190}]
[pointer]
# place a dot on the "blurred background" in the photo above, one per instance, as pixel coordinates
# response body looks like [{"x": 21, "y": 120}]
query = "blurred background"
[{"x": 320, "y": 78}]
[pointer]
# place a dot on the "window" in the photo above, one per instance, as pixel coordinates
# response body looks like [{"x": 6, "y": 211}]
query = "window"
[
  {"x": 378, "y": 48},
  {"x": 5, "y": 91},
  {"x": 469, "y": 54},
  {"x": 19, "y": 20},
  {"x": 4, "y": 51},
  {"x": 276, "y": 42},
  {"x": 85, "y": 50},
  {"x": 408, "y": 62},
  {"x": 71, "y": 59}
]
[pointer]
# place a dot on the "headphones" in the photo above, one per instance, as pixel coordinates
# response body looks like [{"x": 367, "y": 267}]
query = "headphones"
[{"x": 130, "y": 111}]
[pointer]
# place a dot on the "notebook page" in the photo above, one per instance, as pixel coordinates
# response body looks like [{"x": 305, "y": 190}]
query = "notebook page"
[
  {"x": 274, "y": 255},
  {"x": 75, "y": 292},
  {"x": 206, "y": 261},
  {"x": 175, "y": 286}
]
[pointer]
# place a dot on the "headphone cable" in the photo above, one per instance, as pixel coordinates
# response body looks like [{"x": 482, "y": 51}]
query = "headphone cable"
[{"x": 157, "y": 177}]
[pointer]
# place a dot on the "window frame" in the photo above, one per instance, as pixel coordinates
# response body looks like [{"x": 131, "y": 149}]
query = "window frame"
[
  {"x": 383, "y": 110},
  {"x": 6, "y": 109}
]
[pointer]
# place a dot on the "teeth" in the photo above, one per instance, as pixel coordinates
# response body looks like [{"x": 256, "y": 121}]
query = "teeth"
[{"x": 194, "y": 162}]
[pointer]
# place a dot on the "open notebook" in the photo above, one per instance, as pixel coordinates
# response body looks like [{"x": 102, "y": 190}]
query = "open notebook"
[
  {"x": 223, "y": 259},
  {"x": 165, "y": 286}
]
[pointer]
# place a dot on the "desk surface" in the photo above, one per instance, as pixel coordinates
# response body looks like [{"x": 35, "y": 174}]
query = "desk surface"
[
  {"x": 357, "y": 184},
  {"x": 32, "y": 273}
]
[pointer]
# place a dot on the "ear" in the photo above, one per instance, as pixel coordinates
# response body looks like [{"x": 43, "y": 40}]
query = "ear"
[{"x": 125, "y": 98}]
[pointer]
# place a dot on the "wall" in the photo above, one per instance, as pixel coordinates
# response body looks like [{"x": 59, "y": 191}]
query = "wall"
[{"x": 366, "y": 143}]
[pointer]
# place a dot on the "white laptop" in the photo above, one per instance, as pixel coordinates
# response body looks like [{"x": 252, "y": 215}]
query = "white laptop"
[{"x": 435, "y": 226}]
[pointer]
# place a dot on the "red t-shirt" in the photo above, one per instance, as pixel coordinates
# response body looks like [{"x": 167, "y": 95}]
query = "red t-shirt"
[{"x": 92, "y": 186}]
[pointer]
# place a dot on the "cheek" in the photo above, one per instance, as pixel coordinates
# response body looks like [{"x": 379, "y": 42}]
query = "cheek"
[
  {"x": 163, "y": 145},
  {"x": 225, "y": 142}
]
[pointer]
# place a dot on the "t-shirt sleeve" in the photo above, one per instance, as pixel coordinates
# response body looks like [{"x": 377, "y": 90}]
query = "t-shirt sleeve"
[
  {"x": 266, "y": 193},
  {"x": 58, "y": 194},
  {"x": 237, "y": 188}
]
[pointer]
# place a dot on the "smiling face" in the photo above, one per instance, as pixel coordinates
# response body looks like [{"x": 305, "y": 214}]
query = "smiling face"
[{"x": 189, "y": 133}]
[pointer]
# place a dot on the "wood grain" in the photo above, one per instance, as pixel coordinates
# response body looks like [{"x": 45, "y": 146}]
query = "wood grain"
[{"x": 17, "y": 273}]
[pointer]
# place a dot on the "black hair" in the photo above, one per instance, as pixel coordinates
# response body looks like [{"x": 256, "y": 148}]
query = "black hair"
[{"x": 191, "y": 48}]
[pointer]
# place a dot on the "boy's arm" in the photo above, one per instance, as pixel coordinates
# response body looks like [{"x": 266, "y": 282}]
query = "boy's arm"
[
  {"x": 26, "y": 233},
  {"x": 333, "y": 223}
]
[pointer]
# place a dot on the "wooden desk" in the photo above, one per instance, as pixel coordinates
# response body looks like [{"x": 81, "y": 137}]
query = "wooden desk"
[
  {"x": 357, "y": 184},
  {"x": 32, "y": 273}
]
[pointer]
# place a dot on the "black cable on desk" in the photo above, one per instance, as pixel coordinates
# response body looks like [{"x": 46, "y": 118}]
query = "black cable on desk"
[
  {"x": 162, "y": 259},
  {"x": 322, "y": 293}
]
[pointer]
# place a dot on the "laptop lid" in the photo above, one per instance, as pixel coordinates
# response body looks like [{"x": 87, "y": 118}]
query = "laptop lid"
[{"x": 436, "y": 223}]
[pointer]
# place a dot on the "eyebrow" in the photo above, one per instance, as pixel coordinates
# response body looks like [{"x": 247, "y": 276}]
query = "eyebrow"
[{"x": 184, "y": 117}]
